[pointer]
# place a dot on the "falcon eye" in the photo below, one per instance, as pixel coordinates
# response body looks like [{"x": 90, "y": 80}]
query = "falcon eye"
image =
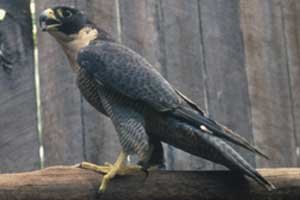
[{"x": 67, "y": 13}]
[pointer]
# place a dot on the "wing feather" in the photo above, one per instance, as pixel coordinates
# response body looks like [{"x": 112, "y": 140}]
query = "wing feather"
[
  {"x": 123, "y": 70},
  {"x": 129, "y": 73}
]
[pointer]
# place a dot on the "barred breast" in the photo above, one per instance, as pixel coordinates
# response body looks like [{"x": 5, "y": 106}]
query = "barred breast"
[{"x": 88, "y": 88}]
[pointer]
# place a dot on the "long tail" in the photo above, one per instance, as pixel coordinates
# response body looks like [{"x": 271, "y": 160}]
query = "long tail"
[
  {"x": 211, "y": 127},
  {"x": 226, "y": 155}
]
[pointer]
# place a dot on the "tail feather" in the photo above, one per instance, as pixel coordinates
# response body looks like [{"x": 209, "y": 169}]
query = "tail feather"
[
  {"x": 260, "y": 179},
  {"x": 246, "y": 168},
  {"x": 227, "y": 156},
  {"x": 209, "y": 126},
  {"x": 245, "y": 144}
]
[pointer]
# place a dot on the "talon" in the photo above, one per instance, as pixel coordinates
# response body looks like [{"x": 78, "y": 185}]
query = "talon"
[
  {"x": 111, "y": 170},
  {"x": 97, "y": 168},
  {"x": 104, "y": 184},
  {"x": 78, "y": 165}
]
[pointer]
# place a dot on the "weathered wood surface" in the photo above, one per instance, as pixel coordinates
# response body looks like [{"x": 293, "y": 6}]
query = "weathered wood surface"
[
  {"x": 69, "y": 183},
  {"x": 267, "y": 66},
  {"x": 238, "y": 60},
  {"x": 19, "y": 145},
  {"x": 290, "y": 16}
]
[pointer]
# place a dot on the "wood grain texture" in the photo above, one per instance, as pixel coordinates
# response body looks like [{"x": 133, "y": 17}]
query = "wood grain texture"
[
  {"x": 60, "y": 99},
  {"x": 239, "y": 60},
  {"x": 139, "y": 29},
  {"x": 19, "y": 144},
  {"x": 268, "y": 80},
  {"x": 182, "y": 63},
  {"x": 101, "y": 141},
  {"x": 67, "y": 183},
  {"x": 291, "y": 22},
  {"x": 227, "y": 88}
]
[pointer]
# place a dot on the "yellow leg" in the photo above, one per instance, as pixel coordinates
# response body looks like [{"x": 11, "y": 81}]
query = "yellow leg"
[{"x": 111, "y": 170}]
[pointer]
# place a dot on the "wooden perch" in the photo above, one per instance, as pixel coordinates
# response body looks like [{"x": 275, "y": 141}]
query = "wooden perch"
[{"x": 69, "y": 183}]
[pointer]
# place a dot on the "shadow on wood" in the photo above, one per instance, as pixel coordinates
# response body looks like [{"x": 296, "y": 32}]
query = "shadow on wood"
[{"x": 69, "y": 183}]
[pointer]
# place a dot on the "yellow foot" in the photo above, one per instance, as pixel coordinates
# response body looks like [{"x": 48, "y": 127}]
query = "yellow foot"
[
  {"x": 111, "y": 170},
  {"x": 104, "y": 169},
  {"x": 107, "y": 167}
]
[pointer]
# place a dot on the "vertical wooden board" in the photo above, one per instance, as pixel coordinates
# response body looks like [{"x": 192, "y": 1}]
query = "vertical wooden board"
[
  {"x": 101, "y": 141},
  {"x": 291, "y": 20},
  {"x": 183, "y": 63},
  {"x": 227, "y": 89},
  {"x": 60, "y": 99},
  {"x": 268, "y": 80},
  {"x": 139, "y": 28},
  {"x": 295, "y": 81},
  {"x": 19, "y": 144},
  {"x": 104, "y": 14}
]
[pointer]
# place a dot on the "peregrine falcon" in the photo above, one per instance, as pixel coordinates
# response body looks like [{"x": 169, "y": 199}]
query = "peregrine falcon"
[{"x": 144, "y": 107}]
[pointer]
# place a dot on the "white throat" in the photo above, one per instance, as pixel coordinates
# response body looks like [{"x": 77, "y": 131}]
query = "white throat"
[{"x": 72, "y": 44}]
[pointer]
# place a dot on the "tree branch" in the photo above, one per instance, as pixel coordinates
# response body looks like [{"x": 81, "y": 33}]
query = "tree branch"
[{"x": 69, "y": 183}]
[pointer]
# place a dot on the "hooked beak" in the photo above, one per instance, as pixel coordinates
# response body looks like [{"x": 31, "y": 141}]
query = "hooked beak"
[{"x": 48, "y": 20}]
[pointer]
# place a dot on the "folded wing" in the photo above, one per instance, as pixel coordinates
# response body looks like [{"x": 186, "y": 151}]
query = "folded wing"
[{"x": 126, "y": 72}]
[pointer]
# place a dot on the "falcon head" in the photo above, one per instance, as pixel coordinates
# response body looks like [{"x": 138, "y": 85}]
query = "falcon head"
[
  {"x": 65, "y": 20},
  {"x": 72, "y": 30}
]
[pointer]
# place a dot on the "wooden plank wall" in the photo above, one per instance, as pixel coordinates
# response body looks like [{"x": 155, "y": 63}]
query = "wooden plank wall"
[
  {"x": 268, "y": 63},
  {"x": 19, "y": 146},
  {"x": 291, "y": 15},
  {"x": 239, "y": 60}
]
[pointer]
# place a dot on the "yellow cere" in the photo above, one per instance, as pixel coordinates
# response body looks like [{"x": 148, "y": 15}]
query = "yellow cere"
[{"x": 2, "y": 14}]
